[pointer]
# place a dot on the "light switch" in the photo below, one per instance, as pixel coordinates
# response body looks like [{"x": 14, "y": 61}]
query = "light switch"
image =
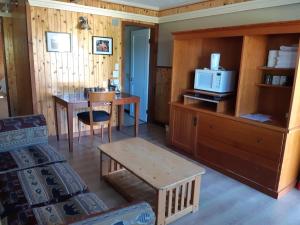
[
  {"x": 115, "y": 74},
  {"x": 117, "y": 66}
]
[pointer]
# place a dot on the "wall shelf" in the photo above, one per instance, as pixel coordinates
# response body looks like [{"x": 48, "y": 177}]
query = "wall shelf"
[
  {"x": 273, "y": 69},
  {"x": 274, "y": 86}
]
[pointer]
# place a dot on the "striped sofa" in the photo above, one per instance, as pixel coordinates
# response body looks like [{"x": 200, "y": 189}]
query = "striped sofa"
[{"x": 38, "y": 187}]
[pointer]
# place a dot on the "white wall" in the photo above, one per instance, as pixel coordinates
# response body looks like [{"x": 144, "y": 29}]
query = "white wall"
[{"x": 283, "y": 13}]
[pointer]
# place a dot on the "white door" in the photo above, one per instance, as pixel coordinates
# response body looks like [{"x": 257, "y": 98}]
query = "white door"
[{"x": 140, "y": 51}]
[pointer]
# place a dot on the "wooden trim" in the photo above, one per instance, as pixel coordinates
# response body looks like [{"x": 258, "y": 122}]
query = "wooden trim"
[
  {"x": 92, "y": 10},
  {"x": 225, "y": 9},
  {"x": 31, "y": 59},
  {"x": 284, "y": 27},
  {"x": 152, "y": 61},
  {"x": 167, "y": 67},
  {"x": 252, "y": 122},
  {"x": 189, "y": 7},
  {"x": 3, "y": 52}
]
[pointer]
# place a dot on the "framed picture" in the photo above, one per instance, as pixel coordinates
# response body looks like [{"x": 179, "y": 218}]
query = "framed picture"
[
  {"x": 58, "y": 42},
  {"x": 102, "y": 45}
]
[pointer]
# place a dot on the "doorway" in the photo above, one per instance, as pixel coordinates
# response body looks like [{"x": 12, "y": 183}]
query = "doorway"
[{"x": 138, "y": 62}]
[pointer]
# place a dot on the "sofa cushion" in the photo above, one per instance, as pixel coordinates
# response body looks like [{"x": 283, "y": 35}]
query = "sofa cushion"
[
  {"x": 138, "y": 214},
  {"x": 73, "y": 209},
  {"x": 98, "y": 116},
  {"x": 22, "y": 131},
  {"x": 38, "y": 186},
  {"x": 28, "y": 157}
]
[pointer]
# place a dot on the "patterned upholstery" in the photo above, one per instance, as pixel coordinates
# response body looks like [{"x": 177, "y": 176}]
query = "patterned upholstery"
[
  {"x": 138, "y": 214},
  {"x": 73, "y": 209},
  {"x": 38, "y": 186},
  {"x": 28, "y": 157},
  {"x": 23, "y": 131}
]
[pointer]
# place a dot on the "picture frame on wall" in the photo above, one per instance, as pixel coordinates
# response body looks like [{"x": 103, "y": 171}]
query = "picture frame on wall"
[
  {"x": 58, "y": 42},
  {"x": 102, "y": 45}
]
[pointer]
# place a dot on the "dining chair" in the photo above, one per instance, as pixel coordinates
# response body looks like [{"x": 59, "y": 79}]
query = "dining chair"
[{"x": 95, "y": 117}]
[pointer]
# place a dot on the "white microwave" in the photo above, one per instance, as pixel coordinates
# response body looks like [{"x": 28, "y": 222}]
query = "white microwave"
[{"x": 219, "y": 81}]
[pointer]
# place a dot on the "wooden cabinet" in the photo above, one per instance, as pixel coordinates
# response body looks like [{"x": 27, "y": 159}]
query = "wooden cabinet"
[
  {"x": 264, "y": 155},
  {"x": 183, "y": 129},
  {"x": 250, "y": 151}
]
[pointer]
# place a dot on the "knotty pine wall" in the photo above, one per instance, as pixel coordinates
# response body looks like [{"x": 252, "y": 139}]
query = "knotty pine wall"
[
  {"x": 114, "y": 6},
  {"x": 10, "y": 63},
  {"x": 58, "y": 73},
  {"x": 198, "y": 6}
]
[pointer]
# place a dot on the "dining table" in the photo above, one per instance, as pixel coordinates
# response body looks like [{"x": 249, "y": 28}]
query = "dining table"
[{"x": 79, "y": 100}]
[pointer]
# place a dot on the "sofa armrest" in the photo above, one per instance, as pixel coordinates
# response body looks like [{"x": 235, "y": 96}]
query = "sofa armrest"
[
  {"x": 137, "y": 214},
  {"x": 22, "y": 131}
]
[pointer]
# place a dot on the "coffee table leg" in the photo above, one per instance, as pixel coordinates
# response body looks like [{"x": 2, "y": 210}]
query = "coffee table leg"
[
  {"x": 161, "y": 207},
  {"x": 101, "y": 165},
  {"x": 196, "y": 194}
]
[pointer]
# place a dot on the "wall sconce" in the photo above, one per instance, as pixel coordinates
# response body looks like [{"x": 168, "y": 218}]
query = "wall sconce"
[{"x": 84, "y": 23}]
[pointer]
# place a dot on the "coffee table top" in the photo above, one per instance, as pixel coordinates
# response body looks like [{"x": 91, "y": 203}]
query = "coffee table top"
[{"x": 156, "y": 166}]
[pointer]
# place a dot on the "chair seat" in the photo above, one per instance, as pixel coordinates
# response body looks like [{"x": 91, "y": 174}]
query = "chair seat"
[{"x": 98, "y": 116}]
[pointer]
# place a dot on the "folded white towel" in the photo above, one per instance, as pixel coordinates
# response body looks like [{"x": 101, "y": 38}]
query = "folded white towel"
[{"x": 289, "y": 48}]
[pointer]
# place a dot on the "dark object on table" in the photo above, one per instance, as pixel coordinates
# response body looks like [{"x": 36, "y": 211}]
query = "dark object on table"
[{"x": 93, "y": 89}]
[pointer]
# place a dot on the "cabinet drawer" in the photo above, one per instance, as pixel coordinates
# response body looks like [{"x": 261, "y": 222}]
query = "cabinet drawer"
[
  {"x": 246, "y": 137},
  {"x": 247, "y": 169}
]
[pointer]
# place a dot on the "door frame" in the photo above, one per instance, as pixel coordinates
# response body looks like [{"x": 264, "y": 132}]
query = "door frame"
[
  {"x": 152, "y": 62},
  {"x": 3, "y": 52}
]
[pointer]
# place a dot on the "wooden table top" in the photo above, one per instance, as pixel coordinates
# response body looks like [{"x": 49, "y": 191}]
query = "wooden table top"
[
  {"x": 158, "y": 167},
  {"x": 79, "y": 97}
]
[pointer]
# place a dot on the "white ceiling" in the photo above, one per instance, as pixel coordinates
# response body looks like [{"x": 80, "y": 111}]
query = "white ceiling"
[{"x": 155, "y": 4}]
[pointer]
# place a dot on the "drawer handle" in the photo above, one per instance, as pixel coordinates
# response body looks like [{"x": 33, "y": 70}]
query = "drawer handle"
[{"x": 258, "y": 141}]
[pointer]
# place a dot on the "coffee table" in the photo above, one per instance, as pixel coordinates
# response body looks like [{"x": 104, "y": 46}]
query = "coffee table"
[{"x": 142, "y": 171}]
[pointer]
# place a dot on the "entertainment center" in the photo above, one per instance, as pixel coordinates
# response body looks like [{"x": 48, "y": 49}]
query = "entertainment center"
[{"x": 264, "y": 155}]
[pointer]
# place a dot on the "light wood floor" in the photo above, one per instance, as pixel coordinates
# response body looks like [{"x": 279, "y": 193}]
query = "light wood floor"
[{"x": 224, "y": 201}]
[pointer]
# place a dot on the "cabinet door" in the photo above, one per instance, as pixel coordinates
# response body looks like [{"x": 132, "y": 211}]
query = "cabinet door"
[{"x": 183, "y": 128}]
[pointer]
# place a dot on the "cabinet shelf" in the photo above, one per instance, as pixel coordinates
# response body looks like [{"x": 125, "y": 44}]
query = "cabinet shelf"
[
  {"x": 274, "y": 86},
  {"x": 273, "y": 69}
]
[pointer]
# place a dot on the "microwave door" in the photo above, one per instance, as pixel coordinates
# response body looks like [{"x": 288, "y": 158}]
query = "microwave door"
[{"x": 216, "y": 81}]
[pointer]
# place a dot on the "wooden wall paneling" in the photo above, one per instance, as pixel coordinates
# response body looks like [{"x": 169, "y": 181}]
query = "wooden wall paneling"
[
  {"x": 294, "y": 120},
  {"x": 22, "y": 64},
  {"x": 2, "y": 56},
  {"x": 248, "y": 92},
  {"x": 290, "y": 161},
  {"x": 58, "y": 73},
  {"x": 10, "y": 64},
  {"x": 162, "y": 94},
  {"x": 184, "y": 65},
  {"x": 118, "y": 7},
  {"x": 198, "y": 6}
]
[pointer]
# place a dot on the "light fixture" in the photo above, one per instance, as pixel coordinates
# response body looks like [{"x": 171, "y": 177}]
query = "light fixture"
[{"x": 84, "y": 23}]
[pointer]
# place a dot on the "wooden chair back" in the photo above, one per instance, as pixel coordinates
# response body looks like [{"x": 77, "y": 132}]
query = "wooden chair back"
[{"x": 101, "y": 98}]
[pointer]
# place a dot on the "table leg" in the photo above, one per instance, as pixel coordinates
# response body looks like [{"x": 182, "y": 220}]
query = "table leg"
[
  {"x": 57, "y": 120},
  {"x": 161, "y": 207},
  {"x": 136, "y": 118},
  {"x": 120, "y": 116},
  {"x": 196, "y": 194},
  {"x": 101, "y": 165},
  {"x": 70, "y": 126}
]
